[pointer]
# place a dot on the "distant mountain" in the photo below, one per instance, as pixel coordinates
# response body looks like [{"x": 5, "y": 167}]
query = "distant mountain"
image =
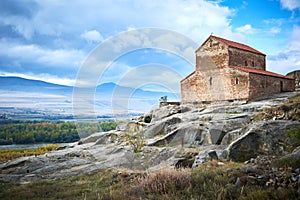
[
  {"x": 21, "y": 92},
  {"x": 27, "y": 85},
  {"x": 8, "y": 81}
]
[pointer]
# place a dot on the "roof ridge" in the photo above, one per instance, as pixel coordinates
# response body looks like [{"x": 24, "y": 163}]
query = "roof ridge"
[
  {"x": 259, "y": 71},
  {"x": 238, "y": 45}
]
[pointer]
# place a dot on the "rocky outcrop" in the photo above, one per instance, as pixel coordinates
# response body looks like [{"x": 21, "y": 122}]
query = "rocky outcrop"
[
  {"x": 261, "y": 138},
  {"x": 223, "y": 131},
  {"x": 100, "y": 138}
]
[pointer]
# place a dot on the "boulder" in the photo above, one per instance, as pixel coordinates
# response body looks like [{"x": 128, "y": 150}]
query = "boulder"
[
  {"x": 261, "y": 138},
  {"x": 185, "y": 134},
  {"x": 231, "y": 136},
  {"x": 216, "y": 135},
  {"x": 213, "y": 155},
  {"x": 163, "y": 112},
  {"x": 207, "y": 153},
  {"x": 101, "y": 137},
  {"x": 162, "y": 127}
]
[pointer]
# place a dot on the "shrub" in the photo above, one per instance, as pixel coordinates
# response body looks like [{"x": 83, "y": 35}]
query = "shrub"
[
  {"x": 135, "y": 140},
  {"x": 164, "y": 182},
  {"x": 294, "y": 134},
  {"x": 147, "y": 119}
]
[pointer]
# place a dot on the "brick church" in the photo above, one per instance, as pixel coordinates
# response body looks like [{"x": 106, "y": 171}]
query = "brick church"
[{"x": 227, "y": 70}]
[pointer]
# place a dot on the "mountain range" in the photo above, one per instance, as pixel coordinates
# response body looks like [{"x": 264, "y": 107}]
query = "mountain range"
[{"x": 17, "y": 92}]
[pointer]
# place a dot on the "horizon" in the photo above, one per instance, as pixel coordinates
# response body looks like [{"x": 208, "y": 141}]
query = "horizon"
[{"x": 100, "y": 84}]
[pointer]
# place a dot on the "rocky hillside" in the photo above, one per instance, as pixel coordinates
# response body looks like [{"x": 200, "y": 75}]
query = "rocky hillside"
[{"x": 176, "y": 136}]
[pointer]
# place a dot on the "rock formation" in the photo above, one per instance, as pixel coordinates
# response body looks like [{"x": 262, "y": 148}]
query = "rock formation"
[{"x": 179, "y": 136}]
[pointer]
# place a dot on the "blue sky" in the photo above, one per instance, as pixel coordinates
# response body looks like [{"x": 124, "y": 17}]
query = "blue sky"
[{"x": 49, "y": 40}]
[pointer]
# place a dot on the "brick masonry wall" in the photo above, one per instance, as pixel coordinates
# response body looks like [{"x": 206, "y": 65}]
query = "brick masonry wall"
[
  {"x": 238, "y": 86},
  {"x": 215, "y": 85},
  {"x": 215, "y": 50},
  {"x": 239, "y": 57},
  {"x": 189, "y": 91},
  {"x": 261, "y": 85}
]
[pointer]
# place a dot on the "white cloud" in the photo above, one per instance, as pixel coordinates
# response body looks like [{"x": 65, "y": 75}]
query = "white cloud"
[
  {"x": 197, "y": 19},
  {"x": 295, "y": 42},
  {"x": 289, "y": 59},
  {"x": 151, "y": 74},
  {"x": 92, "y": 36},
  {"x": 244, "y": 5},
  {"x": 247, "y": 29},
  {"x": 125, "y": 43},
  {"x": 290, "y": 4},
  {"x": 37, "y": 54},
  {"x": 115, "y": 71},
  {"x": 275, "y": 30}
]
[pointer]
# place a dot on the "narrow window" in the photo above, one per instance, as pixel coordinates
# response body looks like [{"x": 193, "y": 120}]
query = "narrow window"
[
  {"x": 246, "y": 63},
  {"x": 210, "y": 80},
  {"x": 236, "y": 81},
  {"x": 252, "y": 63}
]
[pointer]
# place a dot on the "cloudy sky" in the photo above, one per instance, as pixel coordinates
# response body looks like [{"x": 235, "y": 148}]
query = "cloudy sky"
[{"x": 51, "y": 39}]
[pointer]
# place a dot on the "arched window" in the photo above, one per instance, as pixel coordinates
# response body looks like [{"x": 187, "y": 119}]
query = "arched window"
[
  {"x": 210, "y": 81},
  {"x": 236, "y": 81},
  {"x": 252, "y": 63},
  {"x": 246, "y": 63}
]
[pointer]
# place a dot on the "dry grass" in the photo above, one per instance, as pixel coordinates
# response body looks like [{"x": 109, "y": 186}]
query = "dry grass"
[
  {"x": 209, "y": 181},
  {"x": 165, "y": 181}
]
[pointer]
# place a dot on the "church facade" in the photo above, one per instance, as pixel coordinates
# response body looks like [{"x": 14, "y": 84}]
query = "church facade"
[{"x": 228, "y": 71}]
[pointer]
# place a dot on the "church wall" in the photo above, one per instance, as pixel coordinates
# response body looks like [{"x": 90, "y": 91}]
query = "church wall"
[
  {"x": 215, "y": 85},
  {"x": 243, "y": 58},
  {"x": 212, "y": 51},
  {"x": 261, "y": 85}
]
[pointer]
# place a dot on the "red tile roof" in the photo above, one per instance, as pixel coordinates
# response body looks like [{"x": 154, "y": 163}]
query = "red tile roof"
[
  {"x": 238, "y": 45},
  {"x": 262, "y": 72}
]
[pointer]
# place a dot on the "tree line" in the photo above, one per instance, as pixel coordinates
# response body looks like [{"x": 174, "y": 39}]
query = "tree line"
[{"x": 49, "y": 132}]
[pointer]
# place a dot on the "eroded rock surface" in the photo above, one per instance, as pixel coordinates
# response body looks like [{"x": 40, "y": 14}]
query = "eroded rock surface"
[
  {"x": 223, "y": 131},
  {"x": 261, "y": 138}
]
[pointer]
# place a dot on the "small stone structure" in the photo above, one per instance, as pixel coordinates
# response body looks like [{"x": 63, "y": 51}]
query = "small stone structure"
[
  {"x": 161, "y": 104},
  {"x": 295, "y": 75},
  {"x": 229, "y": 71}
]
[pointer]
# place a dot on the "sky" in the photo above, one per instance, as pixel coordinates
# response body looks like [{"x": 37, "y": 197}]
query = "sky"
[{"x": 50, "y": 40}]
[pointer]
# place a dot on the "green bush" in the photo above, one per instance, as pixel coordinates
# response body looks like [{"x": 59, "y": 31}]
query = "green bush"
[
  {"x": 135, "y": 140},
  {"x": 147, "y": 119},
  {"x": 294, "y": 134}
]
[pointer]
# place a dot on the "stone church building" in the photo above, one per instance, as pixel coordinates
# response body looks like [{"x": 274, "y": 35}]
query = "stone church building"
[{"x": 227, "y": 70}]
